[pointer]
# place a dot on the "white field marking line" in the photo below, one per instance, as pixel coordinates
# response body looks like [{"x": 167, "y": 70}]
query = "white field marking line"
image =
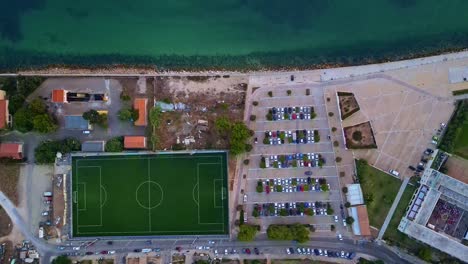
[
  {"x": 85, "y": 208},
  {"x": 193, "y": 194},
  {"x": 222, "y": 188},
  {"x": 198, "y": 181},
  {"x": 145, "y": 232},
  {"x": 100, "y": 198},
  {"x": 105, "y": 195},
  {"x": 214, "y": 194},
  {"x": 149, "y": 195},
  {"x": 138, "y": 158}
]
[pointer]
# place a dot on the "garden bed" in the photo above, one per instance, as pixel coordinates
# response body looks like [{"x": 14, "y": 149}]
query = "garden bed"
[
  {"x": 348, "y": 104},
  {"x": 360, "y": 136}
]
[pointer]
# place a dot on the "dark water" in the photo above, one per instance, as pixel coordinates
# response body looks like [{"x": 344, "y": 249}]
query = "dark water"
[{"x": 235, "y": 34}]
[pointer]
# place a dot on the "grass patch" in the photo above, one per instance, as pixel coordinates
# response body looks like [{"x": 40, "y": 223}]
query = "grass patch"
[
  {"x": 455, "y": 139},
  {"x": 379, "y": 190},
  {"x": 459, "y": 92},
  {"x": 395, "y": 237},
  {"x": 165, "y": 194}
]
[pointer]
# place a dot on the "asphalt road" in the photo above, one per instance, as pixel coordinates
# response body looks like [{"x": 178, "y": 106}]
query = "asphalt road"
[{"x": 167, "y": 245}]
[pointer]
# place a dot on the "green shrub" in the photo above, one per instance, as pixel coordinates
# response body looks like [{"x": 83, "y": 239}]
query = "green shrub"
[
  {"x": 253, "y": 117},
  {"x": 270, "y": 93},
  {"x": 255, "y": 103},
  {"x": 330, "y": 114},
  {"x": 289, "y": 92}
]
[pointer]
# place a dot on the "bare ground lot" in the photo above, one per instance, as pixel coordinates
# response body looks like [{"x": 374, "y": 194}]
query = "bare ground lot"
[
  {"x": 457, "y": 168},
  {"x": 5, "y": 223},
  {"x": 359, "y": 136},
  {"x": 9, "y": 176}
]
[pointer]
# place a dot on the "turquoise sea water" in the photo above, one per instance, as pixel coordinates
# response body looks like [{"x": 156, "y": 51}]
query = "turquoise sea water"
[{"x": 226, "y": 33}]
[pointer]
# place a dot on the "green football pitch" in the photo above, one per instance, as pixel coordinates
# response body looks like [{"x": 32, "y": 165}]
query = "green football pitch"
[{"x": 141, "y": 195}]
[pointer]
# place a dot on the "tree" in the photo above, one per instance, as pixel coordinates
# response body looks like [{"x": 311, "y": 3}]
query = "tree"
[
  {"x": 61, "y": 260},
  {"x": 255, "y": 103},
  {"x": 253, "y": 117},
  {"x": 349, "y": 220},
  {"x": 125, "y": 114},
  {"x": 333, "y": 129},
  {"x": 155, "y": 117},
  {"x": 357, "y": 135},
  {"x": 92, "y": 116},
  {"x": 330, "y": 114},
  {"x": 425, "y": 254},
  {"x": 43, "y": 123},
  {"x": 114, "y": 145},
  {"x": 289, "y": 92},
  {"x": 46, "y": 152},
  {"x": 223, "y": 125},
  {"x": 347, "y": 204},
  {"x": 345, "y": 189},
  {"x": 338, "y": 159},
  {"x": 266, "y": 141},
  {"x": 246, "y": 162},
  {"x": 270, "y": 93},
  {"x": 22, "y": 120},
  {"x": 296, "y": 232},
  {"x": 246, "y": 232},
  {"x": 37, "y": 107},
  {"x": 248, "y": 147},
  {"x": 324, "y": 187},
  {"x": 336, "y": 143}
]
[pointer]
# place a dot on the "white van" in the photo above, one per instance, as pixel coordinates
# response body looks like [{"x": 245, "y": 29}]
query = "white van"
[
  {"x": 394, "y": 172},
  {"x": 245, "y": 198},
  {"x": 47, "y": 194},
  {"x": 146, "y": 250}
]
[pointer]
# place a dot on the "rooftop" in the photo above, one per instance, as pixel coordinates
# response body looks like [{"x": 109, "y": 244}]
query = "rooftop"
[
  {"x": 140, "y": 105},
  {"x": 59, "y": 96},
  {"x": 134, "y": 142},
  {"x": 354, "y": 194},
  {"x": 3, "y": 113},
  {"x": 76, "y": 122},
  {"x": 11, "y": 150}
]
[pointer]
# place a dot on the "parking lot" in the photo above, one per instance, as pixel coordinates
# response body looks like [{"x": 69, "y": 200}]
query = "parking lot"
[{"x": 292, "y": 175}]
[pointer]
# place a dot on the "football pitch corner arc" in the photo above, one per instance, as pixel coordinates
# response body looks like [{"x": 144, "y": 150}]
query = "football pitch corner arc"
[{"x": 150, "y": 194}]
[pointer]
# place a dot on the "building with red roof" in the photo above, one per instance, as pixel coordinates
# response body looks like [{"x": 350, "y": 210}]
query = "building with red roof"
[
  {"x": 135, "y": 142},
  {"x": 11, "y": 150},
  {"x": 59, "y": 96},
  {"x": 139, "y": 104},
  {"x": 4, "y": 114}
]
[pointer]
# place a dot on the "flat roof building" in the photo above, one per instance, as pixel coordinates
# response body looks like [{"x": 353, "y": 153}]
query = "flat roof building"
[
  {"x": 438, "y": 213},
  {"x": 93, "y": 146},
  {"x": 354, "y": 194},
  {"x": 77, "y": 122},
  {"x": 135, "y": 142}
]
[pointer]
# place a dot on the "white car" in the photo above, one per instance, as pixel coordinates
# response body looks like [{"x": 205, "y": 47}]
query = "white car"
[
  {"x": 225, "y": 252},
  {"x": 111, "y": 252},
  {"x": 340, "y": 237},
  {"x": 76, "y": 248},
  {"x": 216, "y": 252},
  {"x": 344, "y": 222},
  {"x": 336, "y": 218},
  {"x": 287, "y": 251},
  {"x": 320, "y": 252}
]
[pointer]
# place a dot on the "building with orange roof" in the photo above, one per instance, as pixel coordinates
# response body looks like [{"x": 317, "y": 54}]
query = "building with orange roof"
[
  {"x": 11, "y": 150},
  {"x": 360, "y": 225},
  {"x": 4, "y": 114},
  {"x": 135, "y": 142},
  {"x": 59, "y": 96},
  {"x": 140, "y": 104}
]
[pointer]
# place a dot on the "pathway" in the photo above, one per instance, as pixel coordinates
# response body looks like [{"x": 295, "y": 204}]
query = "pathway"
[{"x": 392, "y": 209}]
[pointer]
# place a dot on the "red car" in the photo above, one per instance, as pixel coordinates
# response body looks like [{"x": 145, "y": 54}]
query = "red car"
[
  {"x": 104, "y": 252},
  {"x": 294, "y": 116},
  {"x": 302, "y": 188},
  {"x": 267, "y": 189},
  {"x": 247, "y": 250}
]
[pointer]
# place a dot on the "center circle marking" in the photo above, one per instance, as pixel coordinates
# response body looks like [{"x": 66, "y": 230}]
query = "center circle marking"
[{"x": 154, "y": 194}]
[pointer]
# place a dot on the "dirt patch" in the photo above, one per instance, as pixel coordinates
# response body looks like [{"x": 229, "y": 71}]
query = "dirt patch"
[
  {"x": 9, "y": 176},
  {"x": 348, "y": 104},
  {"x": 201, "y": 99},
  {"x": 8, "y": 252},
  {"x": 59, "y": 200},
  {"x": 5, "y": 223},
  {"x": 153, "y": 260},
  {"x": 360, "y": 136},
  {"x": 176, "y": 258},
  {"x": 457, "y": 168},
  {"x": 133, "y": 260}
]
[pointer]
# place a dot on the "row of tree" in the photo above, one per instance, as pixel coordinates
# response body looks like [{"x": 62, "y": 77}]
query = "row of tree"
[
  {"x": 236, "y": 133},
  {"x": 297, "y": 232},
  {"x": 47, "y": 150},
  {"x": 34, "y": 117},
  {"x": 453, "y": 131}
]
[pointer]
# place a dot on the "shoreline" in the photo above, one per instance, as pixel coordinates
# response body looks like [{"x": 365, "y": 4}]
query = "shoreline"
[{"x": 334, "y": 72}]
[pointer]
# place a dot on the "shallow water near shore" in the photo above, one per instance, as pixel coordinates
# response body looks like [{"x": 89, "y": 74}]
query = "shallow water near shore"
[{"x": 229, "y": 33}]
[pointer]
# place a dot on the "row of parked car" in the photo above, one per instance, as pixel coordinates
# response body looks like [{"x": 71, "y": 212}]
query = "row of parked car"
[
  {"x": 290, "y": 209},
  {"x": 292, "y": 113},
  {"x": 293, "y": 185},
  {"x": 298, "y": 136},
  {"x": 320, "y": 252},
  {"x": 292, "y": 160},
  {"x": 234, "y": 251}
]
